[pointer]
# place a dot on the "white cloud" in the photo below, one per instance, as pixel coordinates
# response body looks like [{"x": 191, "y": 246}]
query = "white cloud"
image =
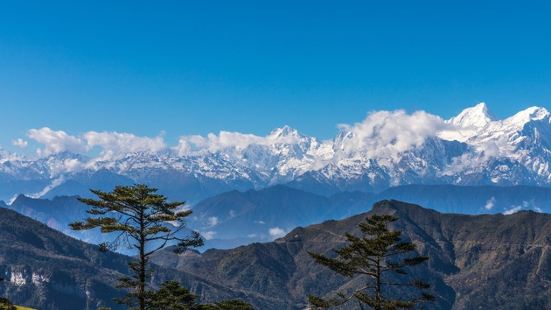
[
  {"x": 208, "y": 235},
  {"x": 55, "y": 183},
  {"x": 68, "y": 165},
  {"x": 20, "y": 143},
  {"x": 497, "y": 146},
  {"x": 481, "y": 155},
  {"x": 212, "y": 221},
  {"x": 214, "y": 143},
  {"x": 55, "y": 141},
  {"x": 234, "y": 141},
  {"x": 465, "y": 162},
  {"x": 71, "y": 164},
  {"x": 276, "y": 232},
  {"x": 386, "y": 134},
  {"x": 490, "y": 203},
  {"x": 119, "y": 143},
  {"x": 383, "y": 134},
  {"x": 525, "y": 205},
  {"x": 111, "y": 144},
  {"x": 512, "y": 210}
]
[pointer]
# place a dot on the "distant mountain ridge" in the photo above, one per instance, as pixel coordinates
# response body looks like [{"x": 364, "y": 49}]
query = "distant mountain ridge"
[
  {"x": 235, "y": 218},
  {"x": 476, "y": 262},
  {"x": 386, "y": 149}
]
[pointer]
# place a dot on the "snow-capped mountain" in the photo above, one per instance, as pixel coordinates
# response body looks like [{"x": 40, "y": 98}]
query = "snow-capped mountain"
[{"x": 388, "y": 148}]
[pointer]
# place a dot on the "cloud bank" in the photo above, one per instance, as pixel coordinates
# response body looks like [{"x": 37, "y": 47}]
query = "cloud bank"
[
  {"x": 383, "y": 135},
  {"x": 55, "y": 141},
  {"x": 389, "y": 133},
  {"x": 111, "y": 144},
  {"x": 114, "y": 143},
  {"x": 380, "y": 134},
  {"x": 214, "y": 143}
]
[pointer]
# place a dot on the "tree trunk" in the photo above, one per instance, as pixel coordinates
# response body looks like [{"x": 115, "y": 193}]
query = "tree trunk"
[
  {"x": 378, "y": 299},
  {"x": 141, "y": 285},
  {"x": 141, "y": 292}
]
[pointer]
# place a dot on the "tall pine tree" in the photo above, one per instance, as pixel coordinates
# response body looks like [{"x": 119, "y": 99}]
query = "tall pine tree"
[
  {"x": 145, "y": 221},
  {"x": 381, "y": 257}
]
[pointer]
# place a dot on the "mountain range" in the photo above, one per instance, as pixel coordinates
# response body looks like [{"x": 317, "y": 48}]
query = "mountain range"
[
  {"x": 476, "y": 261},
  {"x": 386, "y": 149},
  {"x": 241, "y": 217}
]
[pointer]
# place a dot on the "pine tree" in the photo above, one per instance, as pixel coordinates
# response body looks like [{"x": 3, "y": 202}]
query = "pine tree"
[
  {"x": 380, "y": 256},
  {"x": 175, "y": 297},
  {"x": 171, "y": 296},
  {"x": 232, "y": 304},
  {"x": 145, "y": 221}
]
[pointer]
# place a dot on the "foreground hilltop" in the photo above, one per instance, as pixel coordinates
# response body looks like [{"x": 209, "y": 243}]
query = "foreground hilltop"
[
  {"x": 498, "y": 261},
  {"x": 48, "y": 270}
]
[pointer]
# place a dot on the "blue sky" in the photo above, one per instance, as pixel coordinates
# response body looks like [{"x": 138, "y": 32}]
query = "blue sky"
[{"x": 193, "y": 67}]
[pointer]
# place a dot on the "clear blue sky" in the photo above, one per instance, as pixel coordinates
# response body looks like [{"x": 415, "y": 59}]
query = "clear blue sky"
[{"x": 192, "y": 67}]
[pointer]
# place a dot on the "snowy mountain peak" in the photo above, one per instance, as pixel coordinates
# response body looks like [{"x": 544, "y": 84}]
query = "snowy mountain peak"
[
  {"x": 473, "y": 117},
  {"x": 285, "y": 133},
  {"x": 386, "y": 149},
  {"x": 527, "y": 115}
]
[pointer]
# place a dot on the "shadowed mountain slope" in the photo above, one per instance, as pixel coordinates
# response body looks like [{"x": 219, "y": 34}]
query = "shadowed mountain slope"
[
  {"x": 497, "y": 261},
  {"x": 48, "y": 270}
]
